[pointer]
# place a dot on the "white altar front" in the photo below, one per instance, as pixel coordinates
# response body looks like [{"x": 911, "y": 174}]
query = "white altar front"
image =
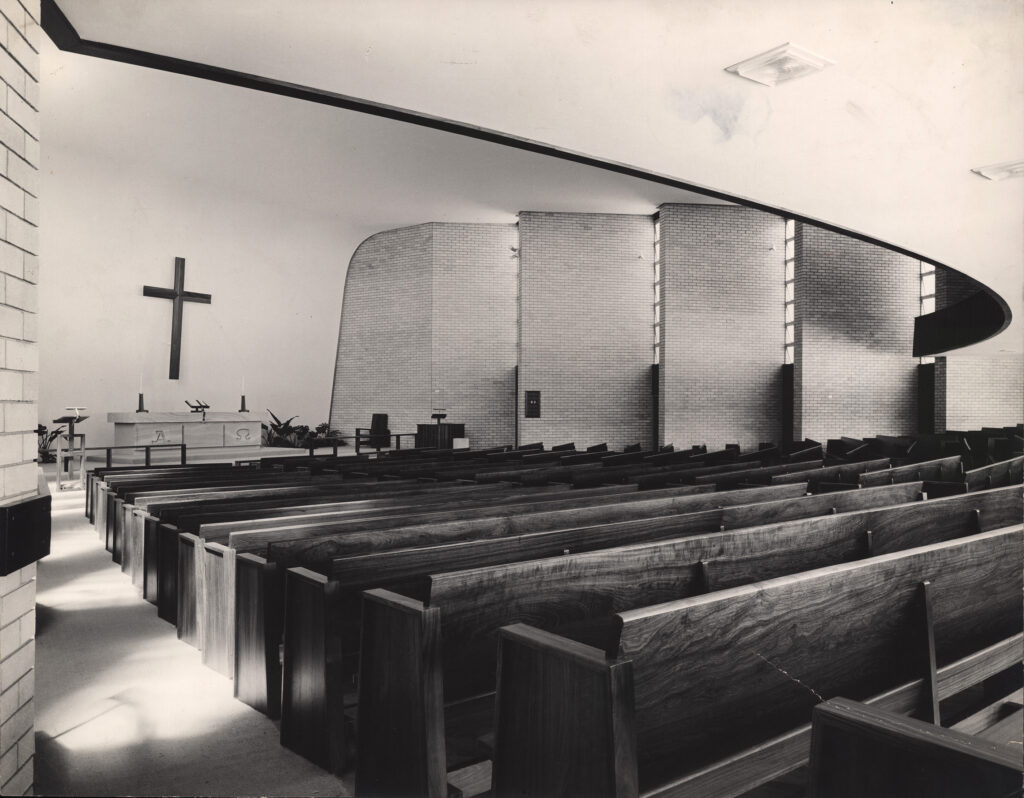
[{"x": 217, "y": 430}]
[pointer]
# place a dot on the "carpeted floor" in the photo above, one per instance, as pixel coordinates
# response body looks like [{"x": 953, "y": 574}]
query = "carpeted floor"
[{"x": 123, "y": 707}]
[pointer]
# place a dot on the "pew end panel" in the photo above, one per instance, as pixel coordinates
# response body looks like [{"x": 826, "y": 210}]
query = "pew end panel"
[
  {"x": 189, "y": 612},
  {"x": 218, "y": 608},
  {"x": 167, "y": 573},
  {"x": 400, "y": 746},
  {"x": 859, "y": 750},
  {"x": 259, "y": 624},
  {"x": 583, "y": 697},
  {"x": 312, "y": 685}
]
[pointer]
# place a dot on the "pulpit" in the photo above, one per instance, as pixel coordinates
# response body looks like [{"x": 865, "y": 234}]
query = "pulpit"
[{"x": 66, "y": 455}]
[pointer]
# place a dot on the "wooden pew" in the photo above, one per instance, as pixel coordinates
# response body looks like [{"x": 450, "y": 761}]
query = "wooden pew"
[
  {"x": 206, "y": 567},
  {"x": 653, "y": 476},
  {"x": 712, "y": 695},
  {"x": 159, "y": 534},
  {"x": 204, "y": 589},
  {"x": 258, "y": 582},
  {"x": 116, "y": 493},
  {"x": 946, "y": 469},
  {"x": 1005, "y": 472},
  {"x": 461, "y": 611},
  {"x": 97, "y": 475},
  {"x": 859, "y": 750},
  {"x": 98, "y": 479},
  {"x": 758, "y": 475},
  {"x": 831, "y": 477}
]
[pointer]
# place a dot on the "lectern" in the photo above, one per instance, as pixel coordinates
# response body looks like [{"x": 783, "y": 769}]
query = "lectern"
[{"x": 66, "y": 458}]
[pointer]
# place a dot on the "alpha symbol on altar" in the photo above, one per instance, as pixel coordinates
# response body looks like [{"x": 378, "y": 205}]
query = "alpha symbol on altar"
[
  {"x": 179, "y": 296},
  {"x": 158, "y": 435}
]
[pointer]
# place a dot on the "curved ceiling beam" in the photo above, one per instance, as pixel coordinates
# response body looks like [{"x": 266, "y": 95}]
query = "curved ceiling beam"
[{"x": 66, "y": 38}]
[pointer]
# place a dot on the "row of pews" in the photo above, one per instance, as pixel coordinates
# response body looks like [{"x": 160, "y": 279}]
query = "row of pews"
[{"x": 561, "y": 622}]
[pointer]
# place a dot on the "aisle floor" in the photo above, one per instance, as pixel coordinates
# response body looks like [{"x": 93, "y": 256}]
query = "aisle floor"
[{"x": 125, "y": 708}]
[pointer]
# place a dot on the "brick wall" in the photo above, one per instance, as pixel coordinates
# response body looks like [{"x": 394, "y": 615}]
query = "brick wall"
[
  {"x": 980, "y": 391},
  {"x": 384, "y": 352},
  {"x": 585, "y": 327},
  {"x": 429, "y": 320},
  {"x": 722, "y": 325},
  {"x": 474, "y": 329},
  {"x": 855, "y": 307},
  {"x": 952, "y": 287},
  {"x": 19, "y": 268}
]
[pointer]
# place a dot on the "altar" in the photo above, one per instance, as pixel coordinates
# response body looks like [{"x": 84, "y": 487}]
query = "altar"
[{"x": 212, "y": 430}]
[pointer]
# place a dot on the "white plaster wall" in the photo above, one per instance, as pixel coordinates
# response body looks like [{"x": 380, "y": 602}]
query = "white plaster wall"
[{"x": 276, "y": 273}]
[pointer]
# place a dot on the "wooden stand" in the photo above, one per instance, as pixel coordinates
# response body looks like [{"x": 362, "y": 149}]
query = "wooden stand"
[{"x": 68, "y": 455}]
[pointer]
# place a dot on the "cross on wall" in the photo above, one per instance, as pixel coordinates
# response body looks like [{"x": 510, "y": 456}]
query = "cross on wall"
[{"x": 179, "y": 296}]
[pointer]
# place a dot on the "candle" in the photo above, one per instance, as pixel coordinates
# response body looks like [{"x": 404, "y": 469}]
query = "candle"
[
  {"x": 243, "y": 384},
  {"x": 140, "y": 383}
]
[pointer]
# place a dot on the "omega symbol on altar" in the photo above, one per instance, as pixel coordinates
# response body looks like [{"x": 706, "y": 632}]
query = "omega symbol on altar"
[{"x": 242, "y": 434}]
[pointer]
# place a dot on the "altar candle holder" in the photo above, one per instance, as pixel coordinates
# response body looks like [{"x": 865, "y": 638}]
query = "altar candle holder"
[
  {"x": 142, "y": 405},
  {"x": 243, "y": 408}
]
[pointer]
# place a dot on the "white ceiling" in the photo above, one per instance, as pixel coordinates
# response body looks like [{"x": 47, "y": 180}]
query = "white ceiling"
[{"x": 881, "y": 143}]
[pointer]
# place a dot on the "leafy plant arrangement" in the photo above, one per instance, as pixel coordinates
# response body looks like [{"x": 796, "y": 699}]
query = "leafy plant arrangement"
[
  {"x": 46, "y": 439},
  {"x": 283, "y": 433}
]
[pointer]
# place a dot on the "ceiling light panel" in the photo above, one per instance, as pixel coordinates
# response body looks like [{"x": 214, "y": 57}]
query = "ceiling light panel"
[
  {"x": 785, "y": 62},
  {"x": 1001, "y": 171}
]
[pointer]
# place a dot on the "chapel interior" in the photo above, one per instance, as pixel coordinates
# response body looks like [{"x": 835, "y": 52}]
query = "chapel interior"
[{"x": 576, "y": 398}]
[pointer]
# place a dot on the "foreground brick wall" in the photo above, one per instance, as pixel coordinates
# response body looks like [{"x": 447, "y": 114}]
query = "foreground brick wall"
[
  {"x": 19, "y": 238},
  {"x": 586, "y": 297},
  {"x": 429, "y": 320},
  {"x": 979, "y": 391},
  {"x": 722, "y": 325},
  {"x": 855, "y": 307}
]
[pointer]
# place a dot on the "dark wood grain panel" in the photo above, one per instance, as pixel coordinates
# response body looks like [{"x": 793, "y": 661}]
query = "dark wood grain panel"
[
  {"x": 401, "y": 747},
  {"x": 586, "y": 744},
  {"x": 259, "y": 625},
  {"x": 186, "y": 616},
  {"x": 312, "y": 722},
  {"x": 714, "y": 673},
  {"x": 857, "y": 750}
]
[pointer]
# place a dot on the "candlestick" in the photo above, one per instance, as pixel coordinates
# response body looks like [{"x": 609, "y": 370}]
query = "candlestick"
[
  {"x": 243, "y": 409},
  {"x": 142, "y": 405}
]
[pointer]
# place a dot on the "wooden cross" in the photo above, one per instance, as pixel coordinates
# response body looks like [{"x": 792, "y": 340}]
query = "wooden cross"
[{"x": 179, "y": 296}]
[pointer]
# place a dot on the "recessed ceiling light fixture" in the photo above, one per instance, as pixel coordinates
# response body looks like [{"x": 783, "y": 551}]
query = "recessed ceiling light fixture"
[
  {"x": 785, "y": 62},
  {"x": 1001, "y": 171}
]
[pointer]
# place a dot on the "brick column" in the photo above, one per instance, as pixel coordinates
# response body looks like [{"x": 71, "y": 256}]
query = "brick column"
[{"x": 19, "y": 246}]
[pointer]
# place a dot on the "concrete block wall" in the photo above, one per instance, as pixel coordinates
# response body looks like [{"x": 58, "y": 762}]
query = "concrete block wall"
[
  {"x": 429, "y": 320},
  {"x": 854, "y": 373},
  {"x": 19, "y": 361},
  {"x": 384, "y": 350},
  {"x": 586, "y": 327},
  {"x": 979, "y": 391},
  {"x": 473, "y": 356},
  {"x": 722, "y": 316}
]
